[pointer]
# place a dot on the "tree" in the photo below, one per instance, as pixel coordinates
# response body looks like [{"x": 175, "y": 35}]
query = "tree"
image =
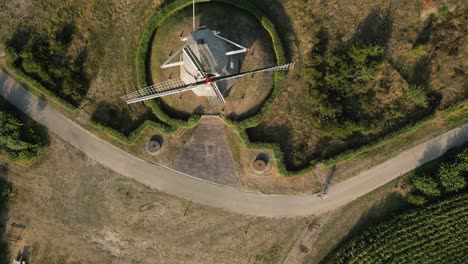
[{"x": 17, "y": 140}]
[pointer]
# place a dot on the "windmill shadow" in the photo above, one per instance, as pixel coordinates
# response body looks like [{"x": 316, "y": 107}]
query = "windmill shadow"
[
  {"x": 119, "y": 119},
  {"x": 241, "y": 32}
]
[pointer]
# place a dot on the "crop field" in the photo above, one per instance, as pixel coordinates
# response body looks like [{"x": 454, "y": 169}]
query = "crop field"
[{"x": 436, "y": 234}]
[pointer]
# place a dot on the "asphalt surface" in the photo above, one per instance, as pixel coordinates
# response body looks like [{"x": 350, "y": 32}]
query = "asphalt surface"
[{"x": 200, "y": 191}]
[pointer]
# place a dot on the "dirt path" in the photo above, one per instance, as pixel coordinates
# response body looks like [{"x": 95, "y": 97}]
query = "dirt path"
[{"x": 185, "y": 186}]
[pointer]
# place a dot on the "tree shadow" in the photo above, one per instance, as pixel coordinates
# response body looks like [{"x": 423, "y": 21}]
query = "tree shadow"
[
  {"x": 375, "y": 29},
  {"x": 65, "y": 34},
  {"x": 119, "y": 119},
  {"x": 294, "y": 157},
  {"x": 5, "y": 190},
  {"x": 437, "y": 148},
  {"x": 421, "y": 72},
  {"x": 425, "y": 34},
  {"x": 276, "y": 12},
  {"x": 45, "y": 57},
  {"x": 19, "y": 39}
]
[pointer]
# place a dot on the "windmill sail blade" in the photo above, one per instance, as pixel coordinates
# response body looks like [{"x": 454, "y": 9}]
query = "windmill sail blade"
[
  {"x": 218, "y": 93},
  {"x": 158, "y": 90},
  {"x": 283, "y": 67}
]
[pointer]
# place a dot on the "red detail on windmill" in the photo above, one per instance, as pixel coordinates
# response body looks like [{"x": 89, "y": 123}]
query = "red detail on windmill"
[
  {"x": 208, "y": 80},
  {"x": 247, "y": 49}
]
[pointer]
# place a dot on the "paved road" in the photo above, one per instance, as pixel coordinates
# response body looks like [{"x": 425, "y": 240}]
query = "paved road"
[{"x": 167, "y": 180}]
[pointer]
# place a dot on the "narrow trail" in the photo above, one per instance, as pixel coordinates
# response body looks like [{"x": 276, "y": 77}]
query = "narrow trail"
[{"x": 207, "y": 193}]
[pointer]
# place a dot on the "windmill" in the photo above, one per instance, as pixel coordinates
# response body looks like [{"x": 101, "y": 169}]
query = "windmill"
[{"x": 209, "y": 65}]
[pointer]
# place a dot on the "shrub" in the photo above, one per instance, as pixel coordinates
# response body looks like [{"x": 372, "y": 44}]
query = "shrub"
[
  {"x": 420, "y": 51},
  {"x": 19, "y": 141},
  {"x": 44, "y": 58},
  {"x": 339, "y": 103},
  {"x": 418, "y": 95},
  {"x": 426, "y": 185},
  {"x": 450, "y": 176},
  {"x": 417, "y": 199}
]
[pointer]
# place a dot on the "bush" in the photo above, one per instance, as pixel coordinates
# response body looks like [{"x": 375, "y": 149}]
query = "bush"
[
  {"x": 19, "y": 141},
  {"x": 339, "y": 102},
  {"x": 417, "y": 199},
  {"x": 448, "y": 176},
  {"x": 451, "y": 177},
  {"x": 44, "y": 57},
  {"x": 426, "y": 185},
  {"x": 418, "y": 95}
]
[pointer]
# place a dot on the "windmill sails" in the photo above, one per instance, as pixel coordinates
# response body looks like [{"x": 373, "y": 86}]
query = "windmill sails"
[{"x": 177, "y": 85}]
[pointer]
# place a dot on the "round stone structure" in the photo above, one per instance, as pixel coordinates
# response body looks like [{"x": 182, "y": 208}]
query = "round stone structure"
[
  {"x": 260, "y": 164},
  {"x": 153, "y": 146}
]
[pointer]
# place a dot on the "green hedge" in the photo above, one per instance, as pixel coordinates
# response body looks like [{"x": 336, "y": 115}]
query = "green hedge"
[
  {"x": 130, "y": 139},
  {"x": 350, "y": 154},
  {"x": 35, "y": 86}
]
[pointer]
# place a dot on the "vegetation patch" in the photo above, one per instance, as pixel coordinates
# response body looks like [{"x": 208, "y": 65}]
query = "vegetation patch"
[
  {"x": 46, "y": 58},
  {"x": 271, "y": 256},
  {"x": 435, "y": 234},
  {"x": 20, "y": 140},
  {"x": 363, "y": 91},
  {"x": 439, "y": 178}
]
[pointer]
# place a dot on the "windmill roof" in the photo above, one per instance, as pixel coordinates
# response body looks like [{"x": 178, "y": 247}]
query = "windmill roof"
[{"x": 209, "y": 53}]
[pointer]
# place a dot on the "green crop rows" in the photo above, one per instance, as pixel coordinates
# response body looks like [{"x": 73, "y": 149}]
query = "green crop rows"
[{"x": 433, "y": 234}]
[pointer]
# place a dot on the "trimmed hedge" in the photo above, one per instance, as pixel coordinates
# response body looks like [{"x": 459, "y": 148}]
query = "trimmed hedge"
[
  {"x": 31, "y": 84},
  {"x": 130, "y": 139}
]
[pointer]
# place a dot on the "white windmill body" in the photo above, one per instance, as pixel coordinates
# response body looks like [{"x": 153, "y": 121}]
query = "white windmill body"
[
  {"x": 209, "y": 66},
  {"x": 206, "y": 53}
]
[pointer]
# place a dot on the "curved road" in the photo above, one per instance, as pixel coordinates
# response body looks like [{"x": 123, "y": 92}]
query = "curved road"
[{"x": 185, "y": 186}]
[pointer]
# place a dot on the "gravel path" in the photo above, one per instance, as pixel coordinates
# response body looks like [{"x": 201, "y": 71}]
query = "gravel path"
[{"x": 185, "y": 186}]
